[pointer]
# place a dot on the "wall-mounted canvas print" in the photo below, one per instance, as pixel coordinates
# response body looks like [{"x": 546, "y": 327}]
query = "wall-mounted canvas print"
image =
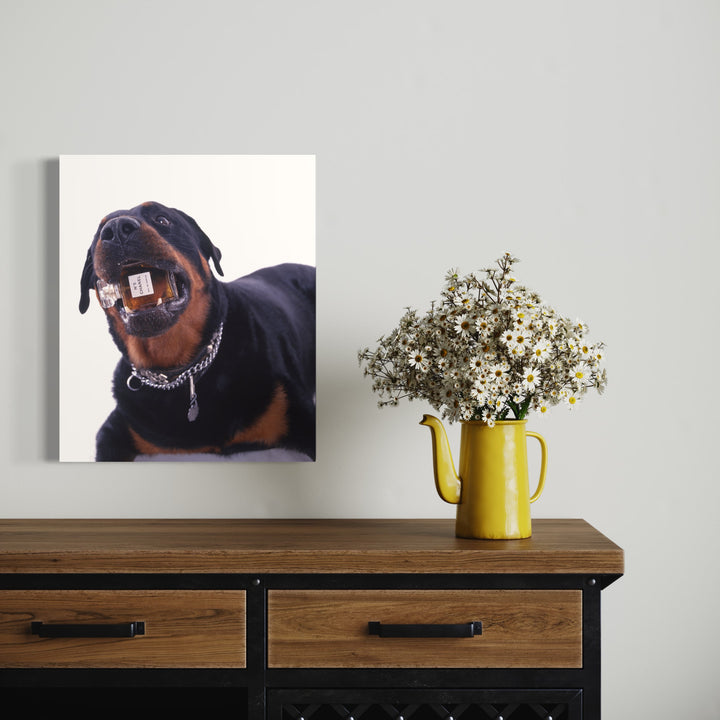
[{"x": 187, "y": 308}]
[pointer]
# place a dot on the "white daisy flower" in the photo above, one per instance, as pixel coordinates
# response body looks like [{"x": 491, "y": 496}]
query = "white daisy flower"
[
  {"x": 580, "y": 327},
  {"x": 462, "y": 299},
  {"x": 484, "y": 325},
  {"x": 478, "y": 393},
  {"x": 418, "y": 360},
  {"x": 452, "y": 277},
  {"x": 530, "y": 379},
  {"x": 520, "y": 343},
  {"x": 404, "y": 340},
  {"x": 571, "y": 398},
  {"x": 541, "y": 349},
  {"x": 585, "y": 350},
  {"x": 463, "y": 326},
  {"x": 498, "y": 371},
  {"x": 580, "y": 374}
]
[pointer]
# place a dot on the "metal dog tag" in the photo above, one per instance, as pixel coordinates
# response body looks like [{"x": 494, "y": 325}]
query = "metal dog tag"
[{"x": 193, "y": 410}]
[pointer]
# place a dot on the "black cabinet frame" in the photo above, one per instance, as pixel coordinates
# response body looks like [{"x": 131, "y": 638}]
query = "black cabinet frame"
[{"x": 366, "y": 693}]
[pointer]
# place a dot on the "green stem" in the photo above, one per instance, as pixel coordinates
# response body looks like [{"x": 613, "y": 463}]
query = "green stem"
[
  {"x": 521, "y": 410},
  {"x": 514, "y": 408},
  {"x": 525, "y": 407}
]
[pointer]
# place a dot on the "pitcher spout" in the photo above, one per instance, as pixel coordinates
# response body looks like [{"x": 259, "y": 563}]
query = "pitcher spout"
[{"x": 447, "y": 482}]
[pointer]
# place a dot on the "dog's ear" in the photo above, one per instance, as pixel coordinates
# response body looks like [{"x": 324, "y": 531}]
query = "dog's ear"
[
  {"x": 209, "y": 251},
  {"x": 86, "y": 281},
  {"x": 88, "y": 273}
]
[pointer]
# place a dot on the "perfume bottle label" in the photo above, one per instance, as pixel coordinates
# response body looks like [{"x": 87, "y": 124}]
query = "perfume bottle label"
[{"x": 141, "y": 284}]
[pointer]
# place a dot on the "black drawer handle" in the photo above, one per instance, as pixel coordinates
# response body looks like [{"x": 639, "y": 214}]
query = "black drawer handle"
[
  {"x": 464, "y": 630},
  {"x": 109, "y": 630}
]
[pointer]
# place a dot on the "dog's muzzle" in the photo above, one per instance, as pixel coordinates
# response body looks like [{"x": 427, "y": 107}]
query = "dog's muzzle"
[{"x": 146, "y": 285}]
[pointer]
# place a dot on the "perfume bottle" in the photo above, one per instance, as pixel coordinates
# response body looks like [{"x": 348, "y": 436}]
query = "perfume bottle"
[{"x": 140, "y": 286}]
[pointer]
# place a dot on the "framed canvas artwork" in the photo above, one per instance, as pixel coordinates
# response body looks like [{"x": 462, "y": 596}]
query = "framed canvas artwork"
[{"x": 187, "y": 308}]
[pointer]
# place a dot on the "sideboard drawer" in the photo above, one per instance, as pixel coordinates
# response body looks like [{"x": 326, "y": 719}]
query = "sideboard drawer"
[
  {"x": 173, "y": 628},
  {"x": 520, "y": 628}
]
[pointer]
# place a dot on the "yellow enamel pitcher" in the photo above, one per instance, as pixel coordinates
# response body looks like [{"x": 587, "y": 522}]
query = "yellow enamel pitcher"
[{"x": 492, "y": 490}]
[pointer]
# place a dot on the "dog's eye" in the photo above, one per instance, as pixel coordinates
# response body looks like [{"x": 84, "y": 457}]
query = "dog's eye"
[{"x": 162, "y": 220}]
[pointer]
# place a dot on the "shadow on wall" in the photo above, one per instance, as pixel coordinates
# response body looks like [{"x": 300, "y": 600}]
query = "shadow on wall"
[{"x": 50, "y": 351}]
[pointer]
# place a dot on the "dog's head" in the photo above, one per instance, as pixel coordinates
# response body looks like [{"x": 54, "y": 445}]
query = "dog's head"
[{"x": 149, "y": 267}]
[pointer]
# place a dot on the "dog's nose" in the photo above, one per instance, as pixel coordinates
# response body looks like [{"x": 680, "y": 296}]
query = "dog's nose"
[{"x": 119, "y": 229}]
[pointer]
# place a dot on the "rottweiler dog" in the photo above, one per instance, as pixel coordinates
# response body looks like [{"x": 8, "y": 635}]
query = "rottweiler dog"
[{"x": 207, "y": 366}]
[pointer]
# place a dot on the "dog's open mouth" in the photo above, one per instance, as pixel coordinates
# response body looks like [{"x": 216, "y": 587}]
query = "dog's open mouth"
[{"x": 148, "y": 298}]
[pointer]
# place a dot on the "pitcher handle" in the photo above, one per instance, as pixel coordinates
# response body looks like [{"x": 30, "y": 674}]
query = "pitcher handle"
[{"x": 543, "y": 464}]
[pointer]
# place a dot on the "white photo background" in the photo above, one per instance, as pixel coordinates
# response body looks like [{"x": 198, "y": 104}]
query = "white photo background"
[{"x": 258, "y": 209}]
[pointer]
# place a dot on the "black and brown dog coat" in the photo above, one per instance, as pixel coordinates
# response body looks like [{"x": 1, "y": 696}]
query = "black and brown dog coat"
[{"x": 207, "y": 366}]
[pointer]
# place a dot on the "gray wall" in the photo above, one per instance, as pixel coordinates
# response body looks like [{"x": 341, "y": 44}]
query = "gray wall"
[{"x": 583, "y": 137}]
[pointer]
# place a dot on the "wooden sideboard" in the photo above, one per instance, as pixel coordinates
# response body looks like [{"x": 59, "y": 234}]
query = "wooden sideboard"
[{"x": 303, "y": 619}]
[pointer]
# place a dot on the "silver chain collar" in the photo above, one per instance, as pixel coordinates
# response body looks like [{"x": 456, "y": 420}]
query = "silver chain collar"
[{"x": 161, "y": 381}]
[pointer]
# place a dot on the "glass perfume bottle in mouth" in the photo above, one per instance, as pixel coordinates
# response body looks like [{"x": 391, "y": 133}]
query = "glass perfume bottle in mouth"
[{"x": 140, "y": 287}]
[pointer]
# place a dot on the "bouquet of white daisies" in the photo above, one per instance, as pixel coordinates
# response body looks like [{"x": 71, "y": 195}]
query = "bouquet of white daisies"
[{"x": 488, "y": 348}]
